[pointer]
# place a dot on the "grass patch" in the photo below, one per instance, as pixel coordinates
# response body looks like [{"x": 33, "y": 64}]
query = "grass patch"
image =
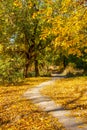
[
  {"x": 18, "y": 113},
  {"x": 71, "y": 93}
]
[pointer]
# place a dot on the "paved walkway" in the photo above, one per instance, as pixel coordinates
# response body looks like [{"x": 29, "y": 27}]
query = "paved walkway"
[{"x": 55, "y": 110}]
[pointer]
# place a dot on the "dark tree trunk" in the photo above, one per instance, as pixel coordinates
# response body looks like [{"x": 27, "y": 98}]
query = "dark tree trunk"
[
  {"x": 36, "y": 68},
  {"x": 26, "y": 70},
  {"x": 64, "y": 62}
]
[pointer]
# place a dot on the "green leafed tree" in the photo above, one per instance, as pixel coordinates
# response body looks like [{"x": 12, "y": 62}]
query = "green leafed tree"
[{"x": 22, "y": 23}]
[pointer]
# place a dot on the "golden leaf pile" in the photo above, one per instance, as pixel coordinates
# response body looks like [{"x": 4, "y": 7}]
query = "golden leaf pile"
[
  {"x": 18, "y": 113},
  {"x": 71, "y": 93}
]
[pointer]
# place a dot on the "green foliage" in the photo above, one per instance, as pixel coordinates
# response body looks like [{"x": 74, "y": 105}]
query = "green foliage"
[{"x": 11, "y": 70}]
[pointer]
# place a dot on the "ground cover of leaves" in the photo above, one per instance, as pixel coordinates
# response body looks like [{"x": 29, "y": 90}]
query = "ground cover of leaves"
[
  {"x": 18, "y": 113},
  {"x": 71, "y": 93}
]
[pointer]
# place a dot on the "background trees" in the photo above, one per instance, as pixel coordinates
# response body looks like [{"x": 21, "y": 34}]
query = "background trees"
[{"x": 31, "y": 29}]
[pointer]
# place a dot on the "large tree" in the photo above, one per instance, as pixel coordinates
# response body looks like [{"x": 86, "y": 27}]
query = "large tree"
[{"x": 22, "y": 23}]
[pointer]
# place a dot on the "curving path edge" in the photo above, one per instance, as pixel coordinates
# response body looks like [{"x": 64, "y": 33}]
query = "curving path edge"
[{"x": 48, "y": 105}]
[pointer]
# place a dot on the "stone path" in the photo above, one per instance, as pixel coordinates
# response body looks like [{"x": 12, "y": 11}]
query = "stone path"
[{"x": 55, "y": 110}]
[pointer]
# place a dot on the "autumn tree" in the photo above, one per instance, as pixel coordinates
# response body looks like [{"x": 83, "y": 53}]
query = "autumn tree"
[
  {"x": 29, "y": 28},
  {"x": 69, "y": 27},
  {"x": 22, "y": 24}
]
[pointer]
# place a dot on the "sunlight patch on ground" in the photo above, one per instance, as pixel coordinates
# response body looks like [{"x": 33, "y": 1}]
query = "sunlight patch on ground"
[{"x": 71, "y": 93}]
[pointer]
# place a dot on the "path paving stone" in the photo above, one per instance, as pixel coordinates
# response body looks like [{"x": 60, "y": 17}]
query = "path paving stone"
[{"x": 70, "y": 123}]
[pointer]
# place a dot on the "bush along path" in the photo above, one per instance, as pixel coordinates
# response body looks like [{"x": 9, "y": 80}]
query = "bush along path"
[{"x": 70, "y": 123}]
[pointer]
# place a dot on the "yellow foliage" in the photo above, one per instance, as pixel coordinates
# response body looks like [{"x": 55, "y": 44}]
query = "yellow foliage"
[
  {"x": 34, "y": 15},
  {"x": 75, "y": 51},
  {"x": 1, "y": 48},
  {"x": 46, "y": 32},
  {"x": 86, "y": 50},
  {"x": 30, "y": 4},
  {"x": 17, "y": 3},
  {"x": 49, "y": 11}
]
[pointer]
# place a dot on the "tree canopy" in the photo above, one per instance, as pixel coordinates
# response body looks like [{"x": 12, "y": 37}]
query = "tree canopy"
[{"x": 29, "y": 29}]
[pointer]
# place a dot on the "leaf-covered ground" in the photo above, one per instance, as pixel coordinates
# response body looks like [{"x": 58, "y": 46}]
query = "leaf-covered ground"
[
  {"x": 71, "y": 93},
  {"x": 18, "y": 113}
]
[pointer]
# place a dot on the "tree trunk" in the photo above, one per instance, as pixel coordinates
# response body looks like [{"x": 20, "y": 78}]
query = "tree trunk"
[
  {"x": 26, "y": 70},
  {"x": 64, "y": 62},
  {"x": 36, "y": 68}
]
